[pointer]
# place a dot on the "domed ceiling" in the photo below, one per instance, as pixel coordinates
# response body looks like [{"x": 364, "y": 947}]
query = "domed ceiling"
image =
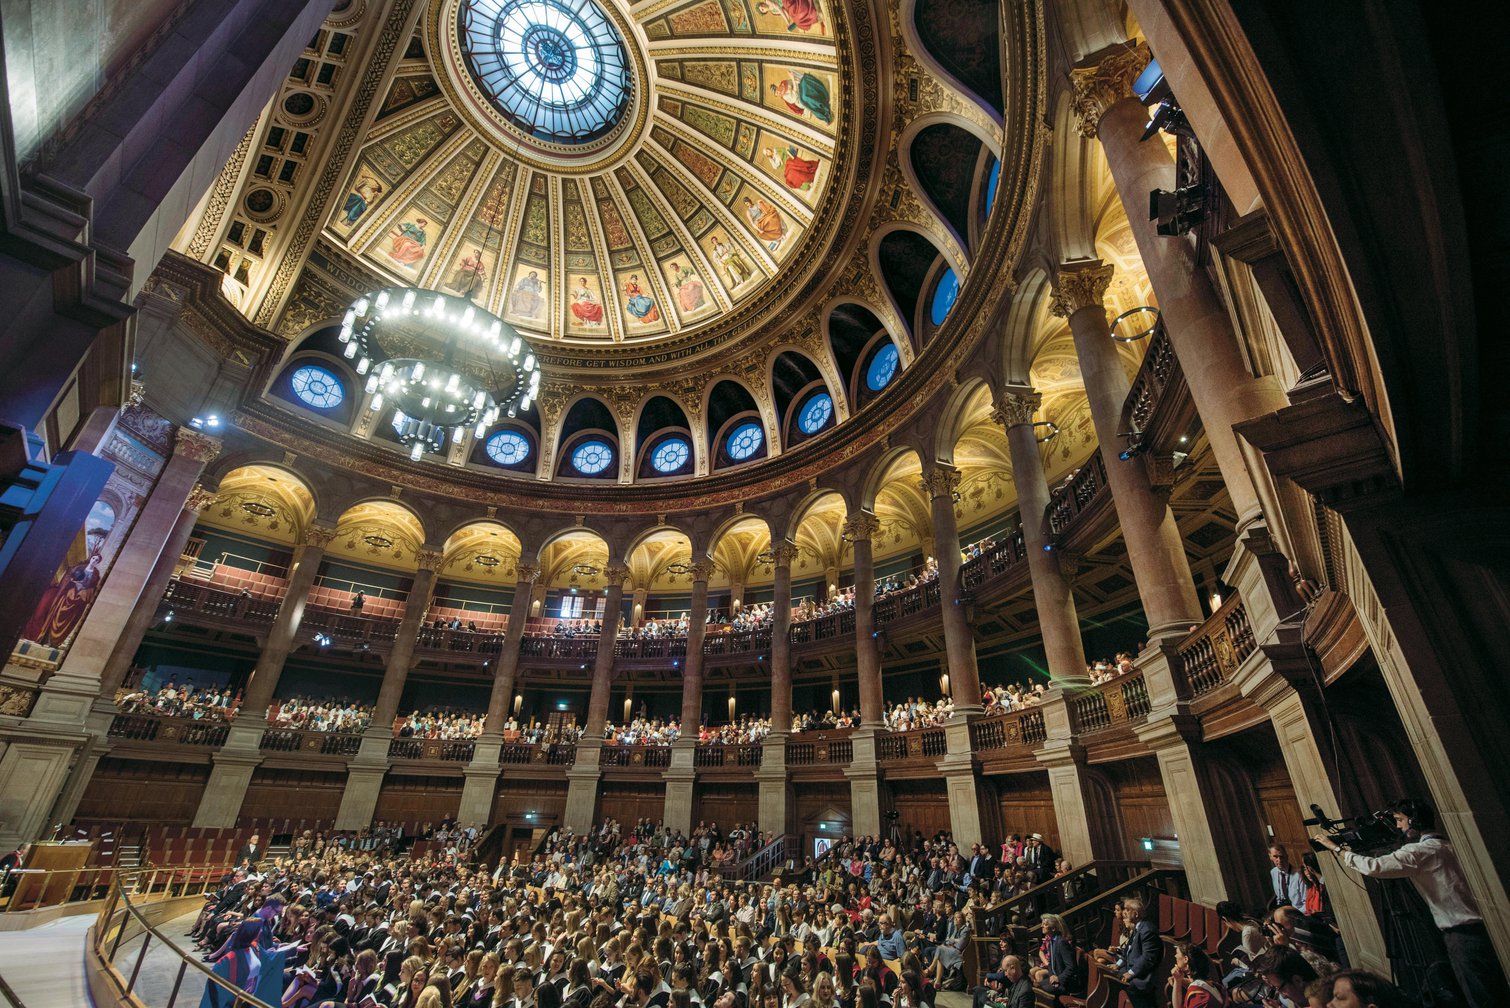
[{"x": 600, "y": 176}]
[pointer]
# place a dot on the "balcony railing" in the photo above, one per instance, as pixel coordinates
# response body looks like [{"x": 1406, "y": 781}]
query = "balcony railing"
[
  {"x": 657, "y": 757},
  {"x": 446, "y": 750},
  {"x": 350, "y": 629},
  {"x": 1006, "y": 731},
  {"x": 651, "y": 647},
  {"x": 736, "y": 642},
  {"x": 154, "y": 728},
  {"x": 802, "y": 752},
  {"x": 899, "y": 605},
  {"x": 1075, "y": 496},
  {"x": 1216, "y": 649},
  {"x": 727, "y": 756},
  {"x": 835, "y": 625},
  {"x": 995, "y": 562},
  {"x": 925, "y": 743},
  {"x": 1113, "y": 704},
  {"x": 460, "y": 641},
  {"x": 1159, "y": 373},
  {"x": 186, "y": 595},
  {"x": 324, "y": 743},
  {"x": 559, "y": 647}
]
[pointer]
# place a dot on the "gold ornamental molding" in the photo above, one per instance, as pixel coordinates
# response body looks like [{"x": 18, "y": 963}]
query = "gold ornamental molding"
[
  {"x": 1016, "y": 409},
  {"x": 940, "y": 481},
  {"x": 860, "y": 526},
  {"x": 319, "y": 536},
  {"x": 526, "y": 572},
  {"x": 1080, "y": 287},
  {"x": 429, "y": 560},
  {"x": 199, "y": 447},
  {"x": 1097, "y": 88}
]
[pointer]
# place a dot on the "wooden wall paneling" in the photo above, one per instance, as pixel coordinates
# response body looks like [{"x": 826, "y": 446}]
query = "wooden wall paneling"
[
  {"x": 418, "y": 800},
  {"x": 628, "y": 802},
  {"x": 1027, "y": 806},
  {"x": 920, "y": 805},
  {"x": 310, "y": 795},
  {"x": 726, "y": 804},
  {"x": 158, "y": 793}
]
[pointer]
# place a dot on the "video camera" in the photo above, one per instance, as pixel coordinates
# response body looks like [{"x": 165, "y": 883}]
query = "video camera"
[{"x": 1374, "y": 833}]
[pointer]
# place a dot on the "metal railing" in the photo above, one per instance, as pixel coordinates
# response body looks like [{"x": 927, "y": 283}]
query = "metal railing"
[{"x": 122, "y": 935}]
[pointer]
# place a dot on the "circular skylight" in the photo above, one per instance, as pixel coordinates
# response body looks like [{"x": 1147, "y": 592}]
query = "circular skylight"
[
  {"x": 317, "y": 387},
  {"x": 745, "y": 441},
  {"x": 671, "y": 455},
  {"x": 592, "y": 457},
  {"x": 815, "y": 414},
  {"x": 508, "y": 447},
  {"x": 883, "y": 367},
  {"x": 556, "y": 68}
]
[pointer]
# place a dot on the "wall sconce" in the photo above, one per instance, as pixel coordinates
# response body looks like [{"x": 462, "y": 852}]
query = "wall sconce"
[
  {"x": 1216, "y": 601},
  {"x": 518, "y": 702},
  {"x": 836, "y": 700},
  {"x": 731, "y": 707},
  {"x": 944, "y": 684}
]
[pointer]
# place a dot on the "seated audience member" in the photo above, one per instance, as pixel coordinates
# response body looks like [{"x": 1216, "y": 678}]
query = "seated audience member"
[{"x": 1192, "y": 983}]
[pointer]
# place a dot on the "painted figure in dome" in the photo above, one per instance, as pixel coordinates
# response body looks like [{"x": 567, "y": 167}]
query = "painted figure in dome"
[
  {"x": 528, "y": 296},
  {"x": 362, "y": 195},
  {"x": 767, "y": 222},
  {"x": 796, "y": 171},
  {"x": 734, "y": 264},
  {"x": 409, "y": 239},
  {"x": 804, "y": 94},
  {"x": 639, "y": 304},
  {"x": 688, "y": 287},
  {"x": 466, "y": 279},
  {"x": 800, "y": 15},
  {"x": 585, "y": 305}
]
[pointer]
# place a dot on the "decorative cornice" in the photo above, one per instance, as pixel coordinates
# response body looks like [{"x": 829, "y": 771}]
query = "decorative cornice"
[
  {"x": 782, "y": 554},
  {"x": 199, "y": 447},
  {"x": 1015, "y": 408},
  {"x": 429, "y": 560},
  {"x": 1080, "y": 287},
  {"x": 319, "y": 536},
  {"x": 940, "y": 481},
  {"x": 1097, "y": 88},
  {"x": 860, "y": 526}
]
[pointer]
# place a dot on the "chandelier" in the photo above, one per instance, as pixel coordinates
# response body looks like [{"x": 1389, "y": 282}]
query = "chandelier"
[{"x": 444, "y": 392}]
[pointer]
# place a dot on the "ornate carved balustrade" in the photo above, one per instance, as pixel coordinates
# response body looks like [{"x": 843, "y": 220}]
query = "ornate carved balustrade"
[
  {"x": 900, "y": 605},
  {"x": 727, "y": 756},
  {"x": 1007, "y": 731},
  {"x": 807, "y": 750},
  {"x": 835, "y": 625},
  {"x": 1003, "y": 556},
  {"x": 1075, "y": 496},
  {"x": 459, "y": 642},
  {"x": 445, "y": 750},
  {"x": 924, "y": 743},
  {"x": 1158, "y": 405},
  {"x": 349, "y": 629},
  {"x": 179, "y": 731},
  {"x": 1214, "y": 650},
  {"x": 585, "y": 648},
  {"x": 650, "y": 757},
  {"x": 1115, "y": 704},
  {"x": 738, "y": 642},
  {"x": 185, "y": 595},
  {"x": 310, "y": 742}
]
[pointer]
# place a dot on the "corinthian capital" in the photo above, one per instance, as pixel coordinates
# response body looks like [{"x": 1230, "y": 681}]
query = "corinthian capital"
[
  {"x": 429, "y": 560},
  {"x": 199, "y": 499},
  {"x": 940, "y": 481},
  {"x": 319, "y": 536},
  {"x": 783, "y": 553},
  {"x": 860, "y": 526},
  {"x": 192, "y": 444},
  {"x": 1098, "y": 88},
  {"x": 1078, "y": 287},
  {"x": 702, "y": 570},
  {"x": 526, "y": 572},
  {"x": 1015, "y": 407},
  {"x": 616, "y": 574}
]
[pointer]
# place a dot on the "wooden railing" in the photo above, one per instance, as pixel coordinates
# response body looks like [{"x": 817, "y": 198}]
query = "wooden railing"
[
  {"x": 1003, "y": 731},
  {"x": 840, "y": 624},
  {"x": 1216, "y": 649},
  {"x": 727, "y": 755},
  {"x": 446, "y": 750},
  {"x": 298, "y": 740},
  {"x": 349, "y": 629},
  {"x": 801, "y": 750},
  {"x": 460, "y": 641},
  {"x": 655, "y": 757},
  {"x": 1075, "y": 495},
  {"x": 1159, "y": 373},
  {"x": 927, "y": 743},
  {"x": 733, "y": 642},
  {"x": 187, "y": 595},
  {"x": 1004, "y": 555},
  {"x": 651, "y": 647},
  {"x": 157, "y": 728},
  {"x": 758, "y": 864},
  {"x": 902, "y": 604},
  {"x": 559, "y": 647},
  {"x": 1122, "y": 701}
]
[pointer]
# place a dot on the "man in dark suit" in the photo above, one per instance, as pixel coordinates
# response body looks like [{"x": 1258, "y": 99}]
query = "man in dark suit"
[
  {"x": 1140, "y": 956},
  {"x": 249, "y": 855},
  {"x": 980, "y": 861}
]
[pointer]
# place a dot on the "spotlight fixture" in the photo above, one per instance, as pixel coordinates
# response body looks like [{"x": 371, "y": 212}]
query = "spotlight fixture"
[
  {"x": 1135, "y": 446},
  {"x": 210, "y": 422},
  {"x": 1177, "y": 211},
  {"x": 169, "y": 617}
]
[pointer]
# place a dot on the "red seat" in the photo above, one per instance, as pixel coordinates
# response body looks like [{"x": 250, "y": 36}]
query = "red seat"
[
  {"x": 1197, "y": 925},
  {"x": 1215, "y": 929},
  {"x": 1166, "y": 913},
  {"x": 1180, "y": 927}
]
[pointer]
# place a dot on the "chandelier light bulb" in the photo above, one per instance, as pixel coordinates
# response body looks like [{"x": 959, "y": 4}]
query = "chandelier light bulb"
[
  {"x": 363, "y": 365},
  {"x": 408, "y": 299},
  {"x": 350, "y": 351},
  {"x": 416, "y": 451},
  {"x": 377, "y": 403},
  {"x": 350, "y": 319},
  {"x": 361, "y": 306},
  {"x": 345, "y": 332},
  {"x": 382, "y": 300},
  {"x": 514, "y": 347},
  {"x": 372, "y": 383}
]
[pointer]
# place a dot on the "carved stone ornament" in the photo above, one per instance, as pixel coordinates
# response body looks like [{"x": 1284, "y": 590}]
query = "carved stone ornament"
[
  {"x": 1016, "y": 409},
  {"x": 1099, "y": 87},
  {"x": 1080, "y": 287},
  {"x": 16, "y": 701},
  {"x": 702, "y": 570},
  {"x": 526, "y": 572},
  {"x": 782, "y": 554},
  {"x": 319, "y": 536},
  {"x": 615, "y": 574},
  {"x": 199, "y": 499},
  {"x": 200, "y": 447},
  {"x": 940, "y": 481},
  {"x": 429, "y": 560},
  {"x": 860, "y": 526}
]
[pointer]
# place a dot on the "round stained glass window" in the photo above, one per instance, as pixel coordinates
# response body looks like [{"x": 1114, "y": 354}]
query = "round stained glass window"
[
  {"x": 317, "y": 387},
  {"x": 943, "y": 297},
  {"x": 670, "y": 455},
  {"x": 508, "y": 447},
  {"x": 592, "y": 457},
  {"x": 557, "y": 69},
  {"x": 883, "y": 367},
  {"x": 816, "y": 413},
  {"x": 745, "y": 441}
]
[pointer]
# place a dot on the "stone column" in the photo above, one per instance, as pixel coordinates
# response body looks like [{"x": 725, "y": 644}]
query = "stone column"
[
  {"x": 482, "y": 773},
  {"x": 1085, "y": 814},
  {"x": 1053, "y": 598},
  {"x": 582, "y": 778},
  {"x": 776, "y": 799},
  {"x": 637, "y": 606},
  {"x": 1199, "y": 328},
  {"x": 221, "y": 802},
  {"x": 940, "y": 484},
  {"x": 864, "y": 770},
  {"x": 365, "y": 772},
  {"x": 1154, "y": 547},
  {"x": 681, "y": 777}
]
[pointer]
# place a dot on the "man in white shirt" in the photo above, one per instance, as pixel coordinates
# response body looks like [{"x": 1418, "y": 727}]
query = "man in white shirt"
[
  {"x": 1428, "y": 860},
  {"x": 1286, "y": 885}
]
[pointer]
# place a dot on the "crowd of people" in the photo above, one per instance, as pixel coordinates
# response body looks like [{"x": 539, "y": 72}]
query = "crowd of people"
[
  {"x": 211, "y": 703},
  {"x": 642, "y": 731},
  {"x": 440, "y": 724},
  {"x": 1104, "y": 670},
  {"x": 327, "y": 715}
]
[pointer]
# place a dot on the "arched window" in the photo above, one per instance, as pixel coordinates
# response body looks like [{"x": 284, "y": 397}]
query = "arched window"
[
  {"x": 744, "y": 441},
  {"x": 991, "y": 185},
  {"x": 316, "y": 387},
  {"x": 816, "y": 413},
  {"x": 944, "y": 294},
  {"x": 883, "y": 368},
  {"x": 592, "y": 457},
  {"x": 508, "y": 447},
  {"x": 671, "y": 455}
]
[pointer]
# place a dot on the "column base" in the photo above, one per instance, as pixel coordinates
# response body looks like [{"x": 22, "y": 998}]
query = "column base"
[
  {"x": 582, "y": 797},
  {"x": 481, "y": 784},
  {"x": 974, "y": 813},
  {"x": 681, "y": 781},
  {"x": 1085, "y": 815},
  {"x": 33, "y": 770}
]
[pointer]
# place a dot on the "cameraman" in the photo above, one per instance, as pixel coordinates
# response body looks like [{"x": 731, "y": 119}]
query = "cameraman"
[{"x": 1428, "y": 860}]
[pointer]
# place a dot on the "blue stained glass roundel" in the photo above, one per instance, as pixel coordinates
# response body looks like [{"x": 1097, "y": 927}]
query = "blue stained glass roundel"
[
  {"x": 508, "y": 447},
  {"x": 745, "y": 441},
  {"x": 816, "y": 413},
  {"x": 944, "y": 295},
  {"x": 317, "y": 387},
  {"x": 592, "y": 457},
  {"x": 671, "y": 455},
  {"x": 883, "y": 367},
  {"x": 557, "y": 69}
]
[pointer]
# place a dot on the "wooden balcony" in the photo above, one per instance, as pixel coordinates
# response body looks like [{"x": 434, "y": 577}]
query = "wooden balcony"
[
  {"x": 748, "y": 756},
  {"x": 1120, "y": 703},
  {"x": 1214, "y": 651},
  {"x": 1076, "y": 503},
  {"x": 1159, "y": 405},
  {"x": 924, "y": 745},
  {"x": 218, "y": 605},
  {"x": 294, "y": 740},
  {"x": 1015, "y": 730},
  {"x": 434, "y": 750},
  {"x": 175, "y": 731},
  {"x": 820, "y": 748}
]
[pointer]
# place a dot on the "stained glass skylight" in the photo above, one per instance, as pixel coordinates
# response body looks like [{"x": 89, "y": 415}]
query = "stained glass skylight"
[
  {"x": 556, "y": 68},
  {"x": 317, "y": 387}
]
